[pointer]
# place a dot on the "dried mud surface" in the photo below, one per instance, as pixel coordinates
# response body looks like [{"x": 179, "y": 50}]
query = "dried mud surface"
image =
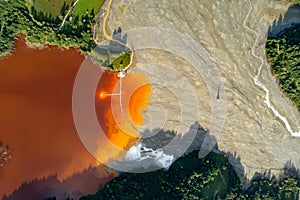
[{"x": 251, "y": 130}]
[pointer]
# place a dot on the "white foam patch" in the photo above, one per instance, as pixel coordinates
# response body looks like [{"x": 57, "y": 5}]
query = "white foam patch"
[{"x": 140, "y": 153}]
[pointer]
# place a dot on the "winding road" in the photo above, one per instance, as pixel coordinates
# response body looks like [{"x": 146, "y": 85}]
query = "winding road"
[
  {"x": 69, "y": 11},
  {"x": 108, "y": 37},
  {"x": 259, "y": 84}
]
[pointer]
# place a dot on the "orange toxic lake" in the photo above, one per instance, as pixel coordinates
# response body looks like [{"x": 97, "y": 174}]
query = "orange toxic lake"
[{"x": 36, "y": 119}]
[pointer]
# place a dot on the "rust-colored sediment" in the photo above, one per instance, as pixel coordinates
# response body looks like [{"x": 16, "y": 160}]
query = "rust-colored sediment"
[
  {"x": 117, "y": 127},
  {"x": 36, "y": 114}
]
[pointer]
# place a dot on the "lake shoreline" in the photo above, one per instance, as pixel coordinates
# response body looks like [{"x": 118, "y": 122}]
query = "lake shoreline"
[{"x": 38, "y": 46}]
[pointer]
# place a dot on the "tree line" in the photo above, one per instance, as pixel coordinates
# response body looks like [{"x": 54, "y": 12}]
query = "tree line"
[
  {"x": 190, "y": 177},
  {"x": 283, "y": 53},
  {"x": 16, "y": 18}
]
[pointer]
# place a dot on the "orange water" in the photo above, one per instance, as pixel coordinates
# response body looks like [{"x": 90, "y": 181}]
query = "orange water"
[
  {"x": 121, "y": 130},
  {"x": 36, "y": 114}
]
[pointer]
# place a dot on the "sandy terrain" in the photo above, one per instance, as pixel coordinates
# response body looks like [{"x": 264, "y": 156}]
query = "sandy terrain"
[{"x": 251, "y": 130}]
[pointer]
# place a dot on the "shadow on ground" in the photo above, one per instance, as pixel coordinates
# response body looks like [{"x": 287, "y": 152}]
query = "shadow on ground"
[
  {"x": 87, "y": 182},
  {"x": 224, "y": 167}
]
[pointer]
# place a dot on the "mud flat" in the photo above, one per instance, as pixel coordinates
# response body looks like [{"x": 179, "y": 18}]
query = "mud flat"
[{"x": 251, "y": 130}]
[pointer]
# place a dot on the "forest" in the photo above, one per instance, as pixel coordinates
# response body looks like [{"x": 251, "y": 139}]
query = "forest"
[
  {"x": 295, "y": 1},
  {"x": 16, "y": 17},
  {"x": 283, "y": 53},
  {"x": 190, "y": 177}
]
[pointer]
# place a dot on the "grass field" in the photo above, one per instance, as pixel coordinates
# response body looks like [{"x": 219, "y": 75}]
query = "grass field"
[
  {"x": 52, "y": 7},
  {"x": 84, "y": 5},
  {"x": 121, "y": 62},
  {"x": 295, "y": 1}
]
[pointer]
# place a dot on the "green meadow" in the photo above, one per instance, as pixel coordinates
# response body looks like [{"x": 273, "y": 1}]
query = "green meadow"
[
  {"x": 52, "y": 7},
  {"x": 56, "y": 8},
  {"x": 84, "y": 5}
]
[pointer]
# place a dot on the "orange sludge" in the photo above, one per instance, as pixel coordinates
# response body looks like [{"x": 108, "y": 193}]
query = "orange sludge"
[
  {"x": 102, "y": 94},
  {"x": 36, "y": 119},
  {"x": 110, "y": 117}
]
